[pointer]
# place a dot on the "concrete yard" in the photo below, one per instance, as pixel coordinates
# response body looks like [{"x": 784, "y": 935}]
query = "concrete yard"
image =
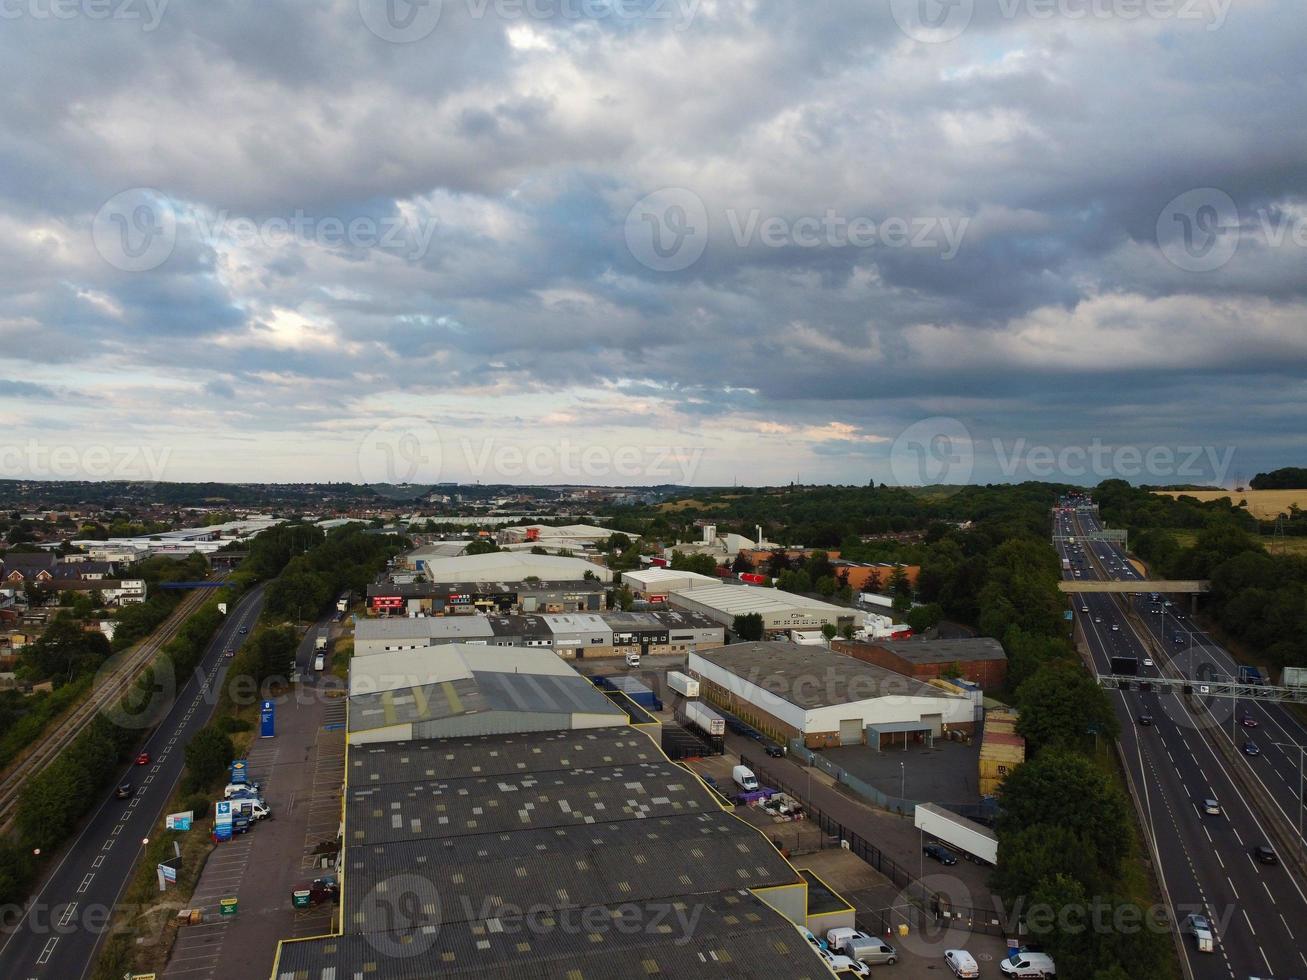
[{"x": 946, "y": 773}]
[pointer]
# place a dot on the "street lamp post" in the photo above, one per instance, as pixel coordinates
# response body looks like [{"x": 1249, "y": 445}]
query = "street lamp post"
[{"x": 903, "y": 781}]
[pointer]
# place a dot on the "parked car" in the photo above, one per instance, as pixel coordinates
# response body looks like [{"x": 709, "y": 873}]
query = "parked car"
[
  {"x": 845, "y": 966},
  {"x": 233, "y": 789},
  {"x": 939, "y": 853},
  {"x": 962, "y": 963},
  {"x": 124, "y": 791},
  {"x": 860, "y": 946},
  {"x": 775, "y": 751},
  {"x": 1027, "y": 964},
  {"x": 143, "y": 759},
  {"x": 1265, "y": 854},
  {"x": 818, "y": 944},
  {"x": 1201, "y": 929}
]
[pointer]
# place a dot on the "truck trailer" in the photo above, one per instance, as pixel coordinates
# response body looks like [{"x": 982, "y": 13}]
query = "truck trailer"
[
  {"x": 704, "y": 718},
  {"x": 683, "y": 684},
  {"x": 980, "y": 843}
]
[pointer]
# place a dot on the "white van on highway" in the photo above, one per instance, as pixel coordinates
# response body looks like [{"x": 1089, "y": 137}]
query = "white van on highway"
[{"x": 320, "y": 661}]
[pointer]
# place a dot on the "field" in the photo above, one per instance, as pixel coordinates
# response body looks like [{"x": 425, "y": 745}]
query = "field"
[{"x": 1263, "y": 504}]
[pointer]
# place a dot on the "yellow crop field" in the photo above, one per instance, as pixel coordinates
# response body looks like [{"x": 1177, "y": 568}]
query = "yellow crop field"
[{"x": 1262, "y": 504}]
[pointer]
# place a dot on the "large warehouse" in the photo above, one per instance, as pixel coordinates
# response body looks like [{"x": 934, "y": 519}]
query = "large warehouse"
[
  {"x": 501, "y": 566},
  {"x": 460, "y": 689},
  {"x": 979, "y": 659},
  {"x": 655, "y": 584},
  {"x": 790, "y": 690},
  {"x": 779, "y": 610}
]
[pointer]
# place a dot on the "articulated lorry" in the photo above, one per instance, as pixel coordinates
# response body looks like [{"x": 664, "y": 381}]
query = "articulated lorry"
[
  {"x": 704, "y": 718},
  {"x": 683, "y": 684},
  {"x": 979, "y": 843}
]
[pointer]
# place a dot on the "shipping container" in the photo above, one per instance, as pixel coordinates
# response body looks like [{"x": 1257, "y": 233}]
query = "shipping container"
[
  {"x": 683, "y": 684},
  {"x": 971, "y": 838}
]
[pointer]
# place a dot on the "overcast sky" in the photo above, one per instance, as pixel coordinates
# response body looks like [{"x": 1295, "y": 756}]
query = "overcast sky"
[{"x": 544, "y": 241}]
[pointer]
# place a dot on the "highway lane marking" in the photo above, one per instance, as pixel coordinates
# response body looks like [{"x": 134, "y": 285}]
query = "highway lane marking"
[
  {"x": 107, "y": 844},
  {"x": 98, "y": 861},
  {"x": 86, "y": 883},
  {"x": 68, "y": 914},
  {"x": 1286, "y": 924},
  {"x": 1230, "y": 882},
  {"x": 45, "y": 953},
  {"x": 117, "y": 830}
]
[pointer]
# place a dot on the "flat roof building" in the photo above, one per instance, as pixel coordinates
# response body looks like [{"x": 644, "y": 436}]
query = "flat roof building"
[
  {"x": 790, "y": 690},
  {"x": 655, "y": 584},
  {"x": 979, "y": 659},
  {"x": 501, "y": 566},
  {"x": 459, "y": 689},
  {"x": 554, "y": 854},
  {"x": 779, "y": 610}
]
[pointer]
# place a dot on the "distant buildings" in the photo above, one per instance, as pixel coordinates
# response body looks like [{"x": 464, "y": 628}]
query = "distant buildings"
[
  {"x": 779, "y": 610},
  {"x": 980, "y": 659},
  {"x": 182, "y": 542}
]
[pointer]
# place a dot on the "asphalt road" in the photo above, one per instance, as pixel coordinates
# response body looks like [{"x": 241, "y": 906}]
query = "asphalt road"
[
  {"x": 1206, "y": 862},
  {"x": 66, "y": 921}
]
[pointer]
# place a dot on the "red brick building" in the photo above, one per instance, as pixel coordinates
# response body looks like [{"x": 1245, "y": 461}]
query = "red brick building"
[{"x": 977, "y": 659}]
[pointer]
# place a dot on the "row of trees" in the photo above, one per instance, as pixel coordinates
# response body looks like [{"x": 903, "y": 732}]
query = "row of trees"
[
  {"x": 1259, "y": 599},
  {"x": 320, "y": 566}
]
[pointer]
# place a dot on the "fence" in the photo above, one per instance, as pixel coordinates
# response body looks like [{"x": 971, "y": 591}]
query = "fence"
[
  {"x": 922, "y": 906},
  {"x": 842, "y": 776}
]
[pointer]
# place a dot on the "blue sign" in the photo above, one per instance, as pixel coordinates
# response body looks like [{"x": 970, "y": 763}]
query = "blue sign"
[
  {"x": 268, "y": 720},
  {"x": 222, "y": 820},
  {"x": 240, "y": 771}
]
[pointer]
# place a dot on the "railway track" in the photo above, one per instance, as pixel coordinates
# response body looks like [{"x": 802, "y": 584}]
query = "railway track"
[{"x": 109, "y": 689}]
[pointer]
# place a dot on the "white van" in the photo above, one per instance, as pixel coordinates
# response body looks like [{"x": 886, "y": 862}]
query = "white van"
[
  {"x": 1036, "y": 965},
  {"x": 744, "y": 778},
  {"x": 633, "y": 660},
  {"x": 320, "y": 661}
]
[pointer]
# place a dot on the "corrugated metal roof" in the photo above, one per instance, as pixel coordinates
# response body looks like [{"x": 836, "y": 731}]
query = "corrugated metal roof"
[
  {"x": 730, "y": 934},
  {"x": 479, "y": 805},
  {"x": 566, "y": 867},
  {"x": 495, "y": 755}
]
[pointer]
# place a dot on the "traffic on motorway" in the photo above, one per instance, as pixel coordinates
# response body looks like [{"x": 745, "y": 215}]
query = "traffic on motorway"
[{"x": 1214, "y": 853}]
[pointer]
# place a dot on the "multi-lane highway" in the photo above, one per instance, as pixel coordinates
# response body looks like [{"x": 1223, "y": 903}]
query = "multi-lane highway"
[
  {"x": 63, "y": 925},
  {"x": 1206, "y": 861}
]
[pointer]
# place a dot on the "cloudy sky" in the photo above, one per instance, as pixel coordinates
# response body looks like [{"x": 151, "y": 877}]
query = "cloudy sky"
[{"x": 643, "y": 241}]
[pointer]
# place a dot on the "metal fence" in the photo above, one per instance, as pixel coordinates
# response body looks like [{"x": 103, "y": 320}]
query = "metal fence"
[
  {"x": 871, "y": 794},
  {"x": 921, "y": 904}
]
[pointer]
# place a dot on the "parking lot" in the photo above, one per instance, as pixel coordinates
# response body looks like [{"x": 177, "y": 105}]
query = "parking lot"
[
  {"x": 300, "y": 771},
  {"x": 947, "y": 772}
]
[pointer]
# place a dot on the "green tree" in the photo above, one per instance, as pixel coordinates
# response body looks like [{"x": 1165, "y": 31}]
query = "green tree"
[
  {"x": 829, "y": 631},
  {"x": 922, "y": 618},
  {"x": 481, "y": 546},
  {"x": 208, "y": 755},
  {"x": 1064, "y": 789},
  {"x": 700, "y": 563},
  {"x": 1060, "y": 704},
  {"x": 748, "y": 626}
]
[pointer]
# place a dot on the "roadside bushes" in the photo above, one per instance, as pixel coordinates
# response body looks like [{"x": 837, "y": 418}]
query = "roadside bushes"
[{"x": 208, "y": 755}]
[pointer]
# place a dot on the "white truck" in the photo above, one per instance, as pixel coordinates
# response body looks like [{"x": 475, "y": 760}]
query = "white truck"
[
  {"x": 966, "y": 835},
  {"x": 683, "y": 684},
  {"x": 745, "y": 779},
  {"x": 701, "y": 716},
  {"x": 320, "y": 642},
  {"x": 1066, "y": 564}
]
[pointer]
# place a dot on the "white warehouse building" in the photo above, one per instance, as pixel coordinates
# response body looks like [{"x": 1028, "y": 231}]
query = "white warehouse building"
[
  {"x": 779, "y": 610},
  {"x": 825, "y": 699}
]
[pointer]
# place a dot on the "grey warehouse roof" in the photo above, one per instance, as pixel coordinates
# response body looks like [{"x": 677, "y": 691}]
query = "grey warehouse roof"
[
  {"x": 945, "y": 651},
  {"x": 813, "y": 676}
]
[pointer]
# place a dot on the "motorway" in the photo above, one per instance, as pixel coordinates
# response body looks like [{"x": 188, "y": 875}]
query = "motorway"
[
  {"x": 1259, "y": 912},
  {"x": 64, "y": 924}
]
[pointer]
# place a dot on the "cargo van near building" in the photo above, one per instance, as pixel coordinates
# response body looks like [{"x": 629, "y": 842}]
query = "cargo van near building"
[{"x": 744, "y": 778}]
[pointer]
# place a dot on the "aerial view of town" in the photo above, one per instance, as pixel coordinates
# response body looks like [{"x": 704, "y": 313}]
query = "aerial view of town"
[{"x": 650, "y": 489}]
